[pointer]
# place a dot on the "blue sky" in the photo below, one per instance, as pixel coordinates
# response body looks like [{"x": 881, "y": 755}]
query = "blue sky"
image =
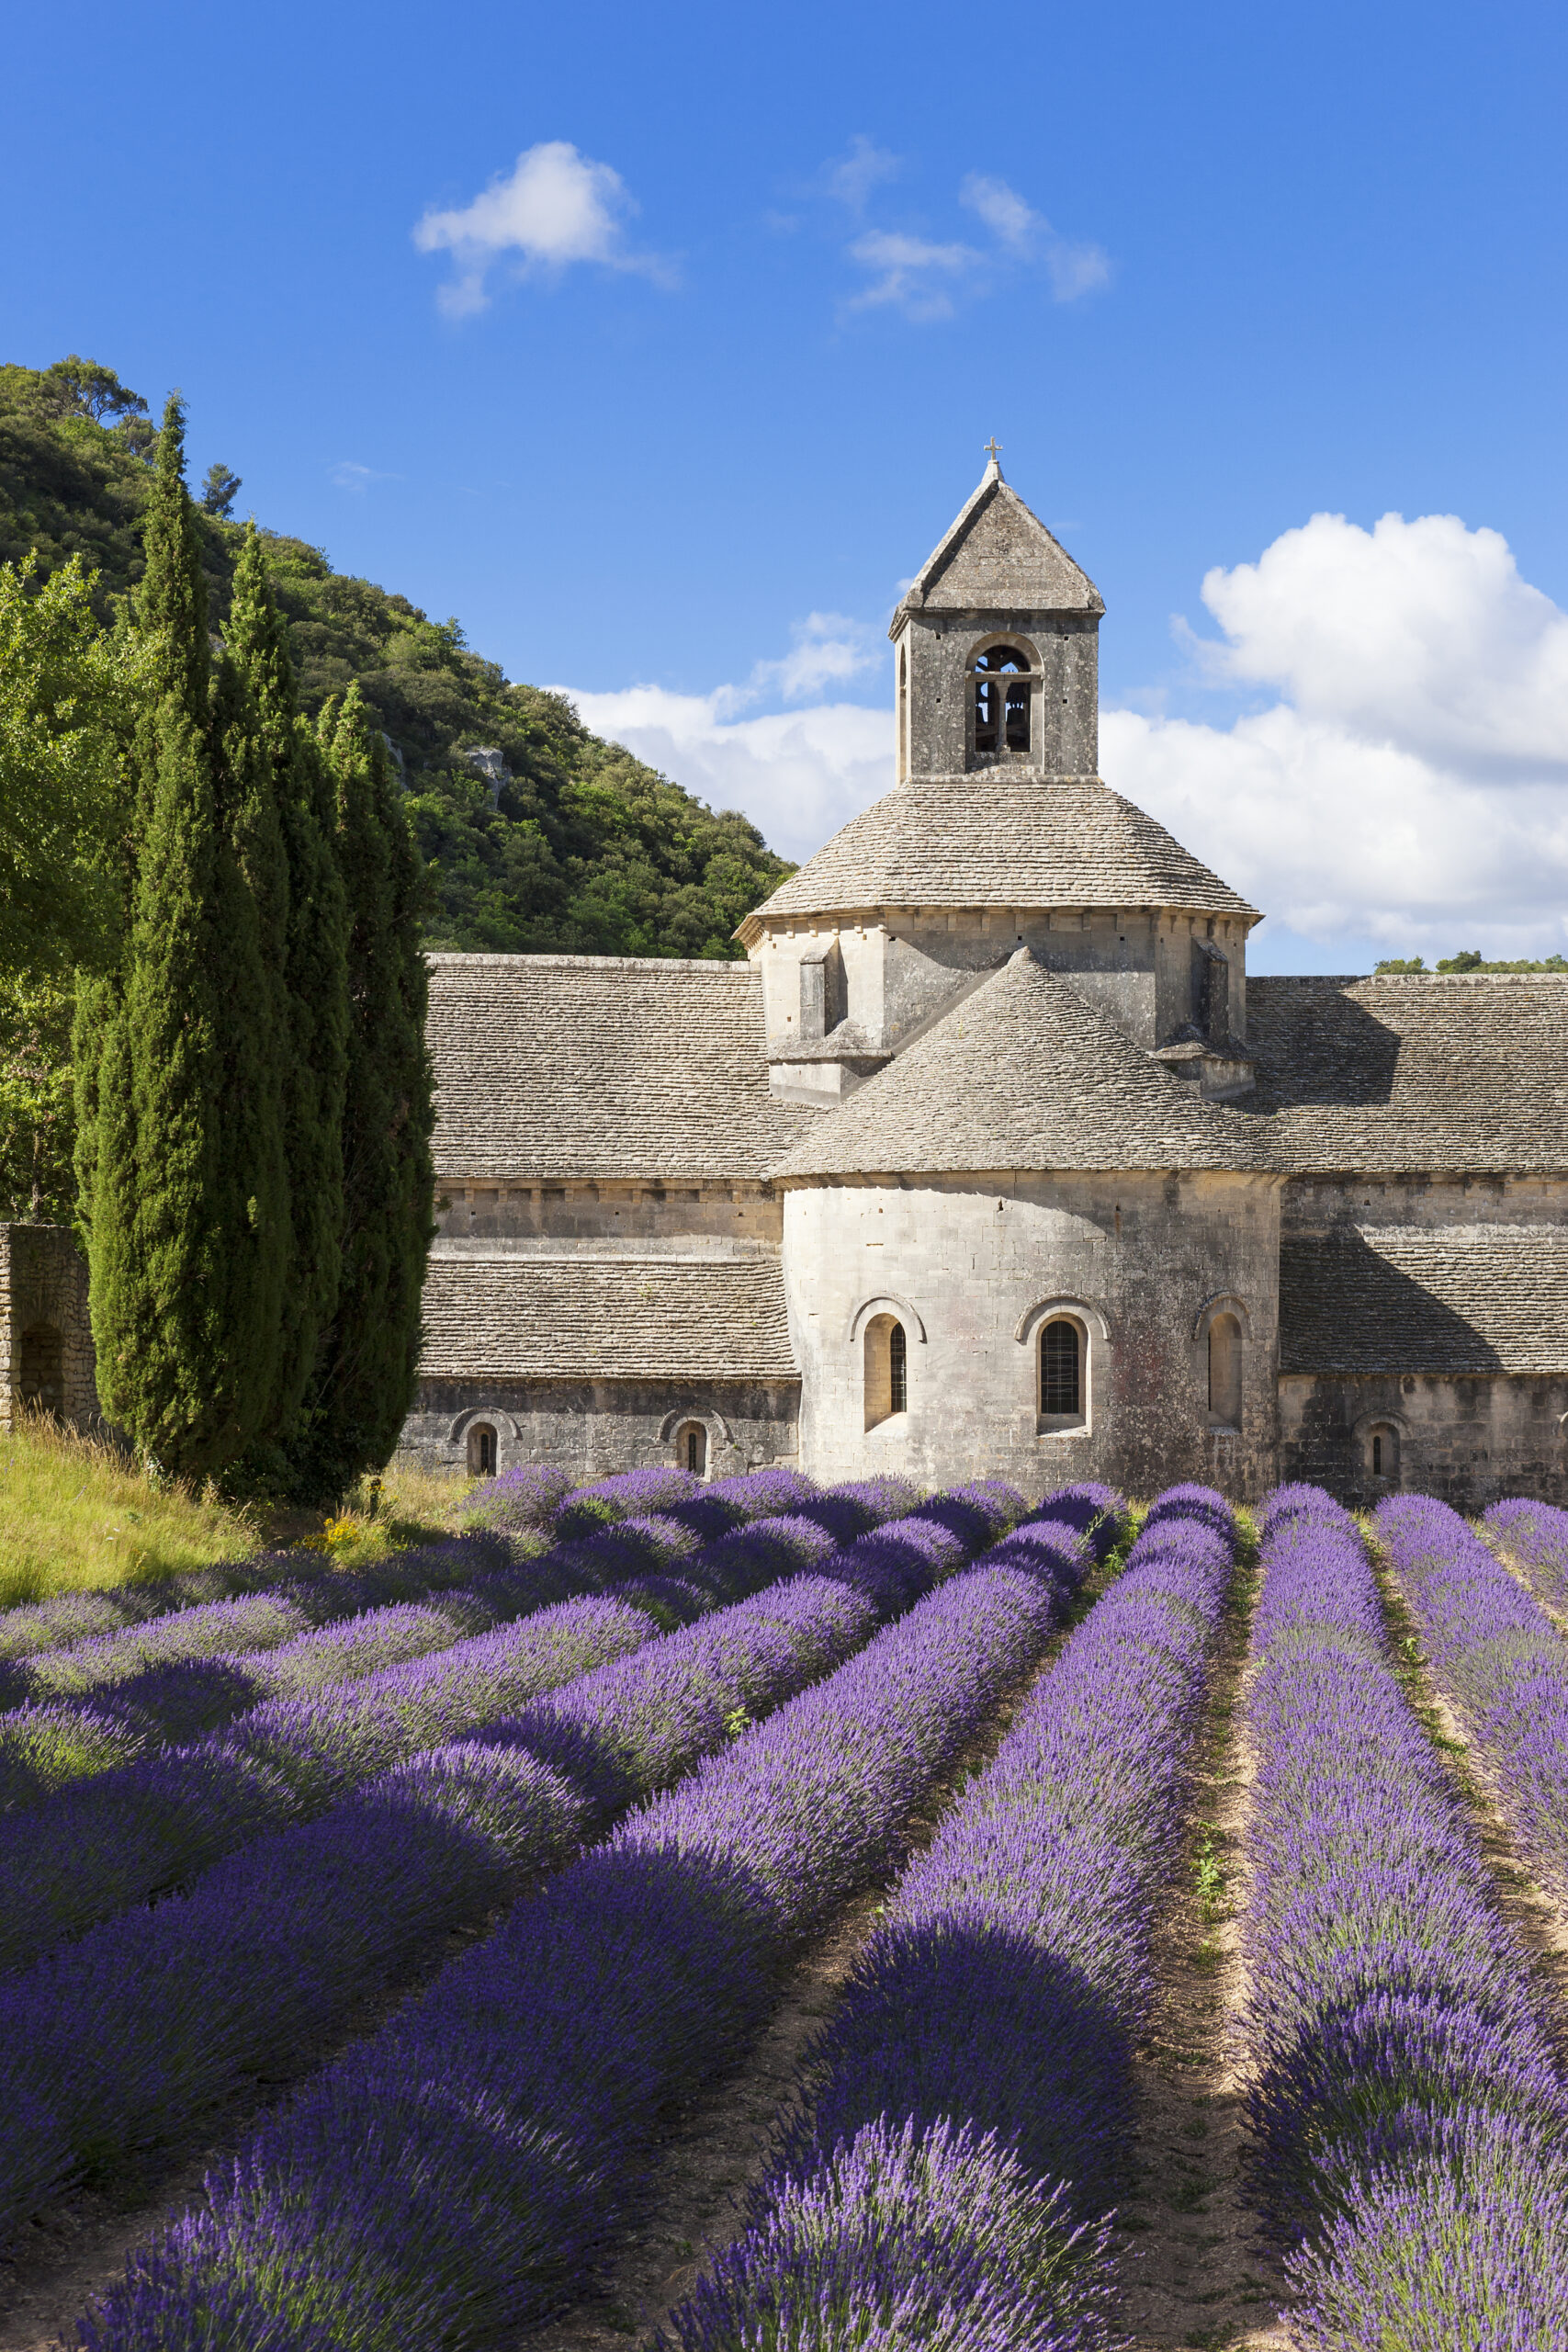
[{"x": 773, "y": 278}]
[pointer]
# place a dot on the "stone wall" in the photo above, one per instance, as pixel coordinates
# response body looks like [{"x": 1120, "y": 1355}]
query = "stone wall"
[
  {"x": 700, "y": 1212},
  {"x": 46, "y": 1338},
  {"x": 973, "y": 1269},
  {"x": 1152, "y": 971},
  {"x": 1467, "y": 1437},
  {"x": 594, "y": 1428}
]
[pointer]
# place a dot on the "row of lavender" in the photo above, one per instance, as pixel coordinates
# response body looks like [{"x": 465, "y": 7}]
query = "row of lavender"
[
  {"x": 1497, "y": 1655},
  {"x": 130, "y": 1832},
  {"x": 966, "y": 2119},
  {"x": 1407, "y": 2107},
  {"x": 76, "y": 1709},
  {"x": 451, "y": 2176},
  {"x": 115, "y": 2041}
]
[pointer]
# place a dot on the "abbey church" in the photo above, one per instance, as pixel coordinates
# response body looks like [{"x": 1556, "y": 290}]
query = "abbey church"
[{"x": 989, "y": 1161}]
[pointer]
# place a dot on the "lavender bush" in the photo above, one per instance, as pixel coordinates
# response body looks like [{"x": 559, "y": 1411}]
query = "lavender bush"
[
  {"x": 147, "y": 1827},
  {"x": 1537, "y": 1537},
  {"x": 119, "y": 2039},
  {"x": 319, "y": 1589},
  {"x": 449, "y": 2179},
  {"x": 1498, "y": 1656},
  {"x": 106, "y": 1702},
  {"x": 137, "y": 1830},
  {"x": 1406, "y": 2107},
  {"x": 970, "y": 2108},
  {"x": 527, "y": 1498}
]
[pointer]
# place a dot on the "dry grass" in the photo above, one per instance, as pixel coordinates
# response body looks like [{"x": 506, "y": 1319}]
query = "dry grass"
[
  {"x": 74, "y": 1512},
  {"x": 77, "y": 1513}
]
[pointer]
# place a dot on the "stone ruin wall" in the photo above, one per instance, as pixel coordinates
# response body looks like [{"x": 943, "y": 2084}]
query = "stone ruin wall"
[{"x": 47, "y": 1362}]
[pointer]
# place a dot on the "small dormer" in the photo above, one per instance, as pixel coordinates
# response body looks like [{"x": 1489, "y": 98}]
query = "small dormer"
[{"x": 997, "y": 649}]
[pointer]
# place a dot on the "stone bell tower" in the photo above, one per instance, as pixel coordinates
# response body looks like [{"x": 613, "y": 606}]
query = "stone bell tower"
[
  {"x": 997, "y": 649},
  {"x": 997, "y": 834}
]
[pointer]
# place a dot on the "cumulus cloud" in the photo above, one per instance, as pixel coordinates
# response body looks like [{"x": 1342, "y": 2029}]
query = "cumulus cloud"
[
  {"x": 1409, "y": 783},
  {"x": 797, "y": 774},
  {"x": 554, "y": 208}
]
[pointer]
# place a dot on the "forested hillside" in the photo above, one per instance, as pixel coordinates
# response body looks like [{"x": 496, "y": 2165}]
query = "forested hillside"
[{"x": 567, "y": 843}]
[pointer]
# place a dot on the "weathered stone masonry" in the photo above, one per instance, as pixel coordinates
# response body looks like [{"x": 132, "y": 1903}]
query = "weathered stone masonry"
[{"x": 995, "y": 1080}]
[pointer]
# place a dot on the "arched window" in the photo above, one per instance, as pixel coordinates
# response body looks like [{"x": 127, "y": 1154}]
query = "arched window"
[
  {"x": 903, "y": 711},
  {"x": 1225, "y": 1373},
  {"x": 1061, "y": 1370},
  {"x": 692, "y": 1448},
  {"x": 1382, "y": 1453},
  {"x": 43, "y": 1368},
  {"x": 886, "y": 1370},
  {"x": 482, "y": 1450},
  {"x": 1002, "y": 687}
]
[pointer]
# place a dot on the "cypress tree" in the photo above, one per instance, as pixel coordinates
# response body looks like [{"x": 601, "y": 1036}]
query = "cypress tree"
[
  {"x": 366, "y": 1375},
  {"x": 185, "y": 1205},
  {"x": 313, "y": 1009}
]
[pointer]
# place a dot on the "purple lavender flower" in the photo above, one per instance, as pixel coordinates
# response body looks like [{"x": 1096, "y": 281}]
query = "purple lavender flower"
[
  {"x": 1406, "y": 2101},
  {"x": 1498, "y": 1656},
  {"x": 973, "y": 2095},
  {"x": 529, "y": 2078}
]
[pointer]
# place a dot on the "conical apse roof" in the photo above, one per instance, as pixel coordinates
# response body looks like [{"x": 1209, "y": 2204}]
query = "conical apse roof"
[{"x": 1025, "y": 1074}]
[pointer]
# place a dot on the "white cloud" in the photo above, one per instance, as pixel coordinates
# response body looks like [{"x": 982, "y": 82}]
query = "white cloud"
[
  {"x": 1073, "y": 269},
  {"x": 912, "y": 274},
  {"x": 1004, "y": 213},
  {"x": 1411, "y": 781},
  {"x": 348, "y": 474},
  {"x": 797, "y": 774},
  {"x": 1404, "y": 779},
  {"x": 928, "y": 278},
  {"x": 556, "y": 207},
  {"x": 828, "y": 648},
  {"x": 864, "y": 166}
]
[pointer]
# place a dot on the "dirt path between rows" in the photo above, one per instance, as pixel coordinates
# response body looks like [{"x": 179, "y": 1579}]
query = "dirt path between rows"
[
  {"x": 1197, "y": 2269},
  {"x": 716, "y": 2148}
]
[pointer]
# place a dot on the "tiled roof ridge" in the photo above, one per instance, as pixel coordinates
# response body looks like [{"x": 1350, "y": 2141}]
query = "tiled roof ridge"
[{"x": 449, "y": 956}]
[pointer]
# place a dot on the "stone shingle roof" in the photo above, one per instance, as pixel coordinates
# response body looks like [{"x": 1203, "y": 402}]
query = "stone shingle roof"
[
  {"x": 998, "y": 557},
  {"x": 510, "y": 1316},
  {"x": 1024, "y": 1073},
  {"x": 1392, "y": 1075},
  {"x": 995, "y": 839},
  {"x": 584, "y": 1067},
  {"x": 1425, "y": 1298}
]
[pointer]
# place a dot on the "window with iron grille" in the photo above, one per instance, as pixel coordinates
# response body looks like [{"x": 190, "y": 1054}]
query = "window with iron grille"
[{"x": 1061, "y": 1384}]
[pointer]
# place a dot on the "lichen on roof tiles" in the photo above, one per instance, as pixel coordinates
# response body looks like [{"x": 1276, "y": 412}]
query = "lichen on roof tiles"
[
  {"x": 1449, "y": 1298},
  {"x": 1384, "y": 1075},
  {"x": 515, "y": 1316},
  {"x": 586, "y": 1067},
  {"x": 1000, "y": 839},
  {"x": 1024, "y": 1073}
]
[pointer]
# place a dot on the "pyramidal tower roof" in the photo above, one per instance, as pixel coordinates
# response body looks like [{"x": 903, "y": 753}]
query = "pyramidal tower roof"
[{"x": 998, "y": 557}]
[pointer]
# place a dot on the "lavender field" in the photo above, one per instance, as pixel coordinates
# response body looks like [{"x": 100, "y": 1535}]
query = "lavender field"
[{"x": 751, "y": 1918}]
